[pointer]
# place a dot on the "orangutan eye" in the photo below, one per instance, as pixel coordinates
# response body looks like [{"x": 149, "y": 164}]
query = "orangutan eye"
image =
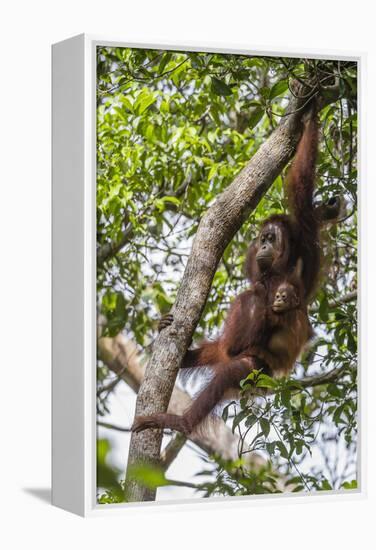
[
  {"x": 270, "y": 237},
  {"x": 284, "y": 296}
]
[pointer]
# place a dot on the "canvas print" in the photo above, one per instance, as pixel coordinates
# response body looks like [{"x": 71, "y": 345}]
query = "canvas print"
[{"x": 226, "y": 208}]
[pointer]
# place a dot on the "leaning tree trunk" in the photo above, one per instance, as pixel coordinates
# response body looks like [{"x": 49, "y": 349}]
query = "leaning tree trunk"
[{"x": 216, "y": 229}]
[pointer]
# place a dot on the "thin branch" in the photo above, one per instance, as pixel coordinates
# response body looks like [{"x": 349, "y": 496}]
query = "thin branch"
[
  {"x": 108, "y": 250},
  {"x": 172, "y": 449},
  {"x": 108, "y": 387},
  {"x": 178, "y": 483},
  {"x": 350, "y": 297},
  {"x": 320, "y": 379},
  {"x": 110, "y": 426}
]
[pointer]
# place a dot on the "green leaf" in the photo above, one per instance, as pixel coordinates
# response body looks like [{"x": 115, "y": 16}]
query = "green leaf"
[
  {"x": 351, "y": 343},
  {"x": 265, "y": 426},
  {"x": 107, "y": 476},
  {"x": 282, "y": 449},
  {"x": 214, "y": 112},
  {"x": 127, "y": 103},
  {"x": 219, "y": 87},
  {"x": 294, "y": 384},
  {"x": 213, "y": 171},
  {"x": 278, "y": 89},
  {"x": 299, "y": 446},
  {"x": 350, "y": 484},
  {"x": 149, "y": 476},
  {"x": 286, "y": 397},
  {"x": 160, "y": 204},
  {"x": 143, "y": 101},
  {"x": 265, "y": 381},
  {"x": 338, "y": 413},
  {"x": 225, "y": 411},
  {"x": 238, "y": 418},
  {"x": 324, "y": 308},
  {"x": 103, "y": 448},
  {"x": 325, "y": 486},
  {"x": 251, "y": 378},
  {"x": 165, "y": 59},
  {"x": 120, "y": 305},
  {"x": 172, "y": 199},
  {"x": 251, "y": 420},
  {"x": 255, "y": 117},
  {"x": 270, "y": 447},
  {"x": 334, "y": 390},
  {"x": 165, "y": 107}
]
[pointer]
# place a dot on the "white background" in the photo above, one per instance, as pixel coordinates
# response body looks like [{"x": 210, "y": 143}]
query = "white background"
[{"x": 27, "y": 31}]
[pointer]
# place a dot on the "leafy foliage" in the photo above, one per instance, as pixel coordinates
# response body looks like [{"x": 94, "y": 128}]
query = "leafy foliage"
[
  {"x": 173, "y": 130},
  {"x": 107, "y": 475}
]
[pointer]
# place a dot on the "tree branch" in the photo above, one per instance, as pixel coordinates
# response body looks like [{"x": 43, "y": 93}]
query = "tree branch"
[
  {"x": 110, "y": 426},
  {"x": 350, "y": 297},
  {"x": 319, "y": 379},
  {"x": 172, "y": 449},
  {"x": 108, "y": 250}
]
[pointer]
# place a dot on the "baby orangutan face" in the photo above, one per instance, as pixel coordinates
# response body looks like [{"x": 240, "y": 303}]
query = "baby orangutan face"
[{"x": 285, "y": 299}]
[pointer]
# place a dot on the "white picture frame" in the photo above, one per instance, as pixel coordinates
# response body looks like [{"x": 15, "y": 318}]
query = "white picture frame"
[{"x": 74, "y": 274}]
